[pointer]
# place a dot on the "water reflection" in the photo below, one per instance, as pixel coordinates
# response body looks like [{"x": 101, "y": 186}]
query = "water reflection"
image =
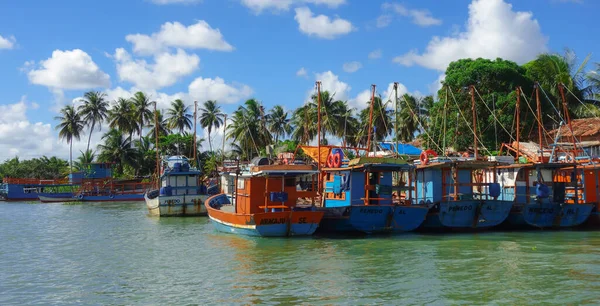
[{"x": 115, "y": 254}]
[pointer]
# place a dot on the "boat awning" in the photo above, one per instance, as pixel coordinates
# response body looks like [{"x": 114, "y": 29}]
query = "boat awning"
[{"x": 401, "y": 148}]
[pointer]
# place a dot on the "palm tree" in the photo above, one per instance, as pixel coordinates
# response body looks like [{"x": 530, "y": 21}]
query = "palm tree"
[
  {"x": 550, "y": 70},
  {"x": 94, "y": 110},
  {"x": 163, "y": 127},
  {"x": 122, "y": 117},
  {"x": 249, "y": 129},
  {"x": 179, "y": 117},
  {"x": 84, "y": 159},
  {"x": 142, "y": 110},
  {"x": 117, "y": 149},
  {"x": 211, "y": 116},
  {"x": 408, "y": 124},
  {"x": 70, "y": 127},
  {"x": 381, "y": 125},
  {"x": 278, "y": 122}
]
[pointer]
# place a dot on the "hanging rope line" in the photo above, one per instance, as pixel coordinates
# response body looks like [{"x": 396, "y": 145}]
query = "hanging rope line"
[
  {"x": 494, "y": 115},
  {"x": 467, "y": 122},
  {"x": 419, "y": 122}
]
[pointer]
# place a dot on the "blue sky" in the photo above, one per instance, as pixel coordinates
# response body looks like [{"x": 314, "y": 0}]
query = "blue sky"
[{"x": 51, "y": 52}]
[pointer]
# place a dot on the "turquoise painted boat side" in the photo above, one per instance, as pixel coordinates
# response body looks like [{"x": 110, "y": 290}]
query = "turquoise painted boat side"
[{"x": 469, "y": 214}]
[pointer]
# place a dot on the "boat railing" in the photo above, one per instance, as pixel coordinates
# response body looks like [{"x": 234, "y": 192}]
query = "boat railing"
[{"x": 34, "y": 181}]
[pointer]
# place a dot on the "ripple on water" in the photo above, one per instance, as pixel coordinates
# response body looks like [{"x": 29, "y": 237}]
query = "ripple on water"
[{"x": 114, "y": 254}]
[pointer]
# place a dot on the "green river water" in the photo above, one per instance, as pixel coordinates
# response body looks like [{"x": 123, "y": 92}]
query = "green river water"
[{"x": 114, "y": 254}]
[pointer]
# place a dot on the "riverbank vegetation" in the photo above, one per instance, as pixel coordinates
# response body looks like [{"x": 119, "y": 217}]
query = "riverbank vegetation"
[{"x": 436, "y": 122}]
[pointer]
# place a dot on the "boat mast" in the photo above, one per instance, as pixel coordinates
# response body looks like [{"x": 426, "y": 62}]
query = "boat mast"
[
  {"x": 566, "y": 110},
  {"x": 517, "y": 109},
  {"x": 195, "y": 119},
  {"x": 370, "y": 119},
  {"x": 318, "y": 83},
  {"x": 156, "y": 145},
  {"x": 539, "y": 120},
  {"x": 472, "y": 89},
  {"x": 397, "y": 116},
  {"x": 223, "y": 146}
]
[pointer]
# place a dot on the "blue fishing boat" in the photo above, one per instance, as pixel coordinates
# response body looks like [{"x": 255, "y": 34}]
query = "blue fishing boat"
[
  {"x": 26, "y": 189},
  {"x": 460, "y": 196},
  {"x": 361, "y": 198},
  {"x": 182, "y": 191},
  {"x": 96, "y": 184},
  {"x": 541, "y": 195}
]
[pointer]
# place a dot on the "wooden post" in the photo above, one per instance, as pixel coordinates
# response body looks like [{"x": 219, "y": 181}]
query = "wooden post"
[
  {"x": 223, "y": 147},
  {"x": 319, "y": 184},
  {"x": 397, "y": 116}
]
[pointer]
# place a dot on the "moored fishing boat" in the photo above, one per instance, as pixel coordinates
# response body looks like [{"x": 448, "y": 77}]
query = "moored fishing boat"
[
  {"x": 460, "y": 195},
  {"x": 27, "y": 189},
  {"x": 541, "y": 197},
  {"x": 360, "y": 197},
  {"x": 266, "y": 203},
  {"x": 181, "y": 192}
]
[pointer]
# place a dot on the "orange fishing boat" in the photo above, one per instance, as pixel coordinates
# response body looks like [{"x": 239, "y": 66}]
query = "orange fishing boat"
[{"x": 266, "y": 203}]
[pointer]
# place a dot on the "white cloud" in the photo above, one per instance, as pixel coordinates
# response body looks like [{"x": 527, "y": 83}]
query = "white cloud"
[
  {"x": 331, "y": 83},
  {"x": 72, "y": 69},
  {"x": 420, "y": 17},
  {"x": 321, "y": 26},
  {"x": 14, "y": 125},
  {"x": 302, "y": 72},
  {"x": 7, "y": 43},
  {"x": 283, "y": 5},
  {"x": 493, "y": 30},
  {"x": 166, "y": 70},
  {"x": 361, "y": 100},
  {"x": 216, "y": 89},
  {"x": 352, "y": 67},
  {"x": 164, "y": 2},
  {"x": 384, "y": 20},
  {"x": 175, "y": 35},
  {"x": 375, "y": 54},
  {"x": 437, "y": 84}
]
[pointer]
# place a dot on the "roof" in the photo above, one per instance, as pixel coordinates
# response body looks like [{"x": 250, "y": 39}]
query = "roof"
[
  {"x": 584, "y": 127},
  {"x": 401, "y": 148},
  {"x": 282, "y": 170}
]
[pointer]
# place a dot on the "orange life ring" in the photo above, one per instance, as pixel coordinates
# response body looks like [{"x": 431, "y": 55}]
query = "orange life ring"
[
  {"x": 424, "y": 157},
  {"x": 330, "y": 161},
  {"x": 337, "y": 160},
  {"x": 285, "y": 161},
  {"x": 466, "y": 154}
]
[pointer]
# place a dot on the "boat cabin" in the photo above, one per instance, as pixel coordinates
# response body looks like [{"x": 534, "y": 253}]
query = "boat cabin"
[
  {"x": 524, "y": 183},
  {"x": 447, "y": 179},
  {"x": 273, "y": 188},
  {"x": 582, "y": 183},
  {"x": 179, "y": 178},
  {"x": 367, "y": 181}
]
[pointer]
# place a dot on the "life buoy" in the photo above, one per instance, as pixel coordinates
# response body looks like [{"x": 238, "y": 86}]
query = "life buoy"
[
  {"x": 80, "y": 196},
  {"x": 466, "y": 154},
  {"x": 285, "y": 161},
  {"x": 337, "y": 160},
  {"x": 112, "y": 196},
  {"x": 330, "y": 160},
  {"x": 424, "y": 157}
]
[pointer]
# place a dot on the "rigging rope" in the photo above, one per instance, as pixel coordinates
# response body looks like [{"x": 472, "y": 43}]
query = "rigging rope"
[
  {"x": 467, "y": 122},
  {"x": 419, "y": 122},
  {"x": 494, "y": 115}
]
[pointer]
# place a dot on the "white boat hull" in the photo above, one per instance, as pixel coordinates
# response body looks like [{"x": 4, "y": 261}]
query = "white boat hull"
[
  {"x": 44, "y": 199},
  {"x": 177, "y": 205}
]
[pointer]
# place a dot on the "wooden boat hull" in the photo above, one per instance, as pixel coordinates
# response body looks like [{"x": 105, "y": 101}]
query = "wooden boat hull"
[
  {"x": 372, "y": 219},
  {"x": 468, "y": 214},
  {"x": 547, "y": 215},
  {"x": 176, "y": 206},
  {"x": 298, "y": 222}
]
